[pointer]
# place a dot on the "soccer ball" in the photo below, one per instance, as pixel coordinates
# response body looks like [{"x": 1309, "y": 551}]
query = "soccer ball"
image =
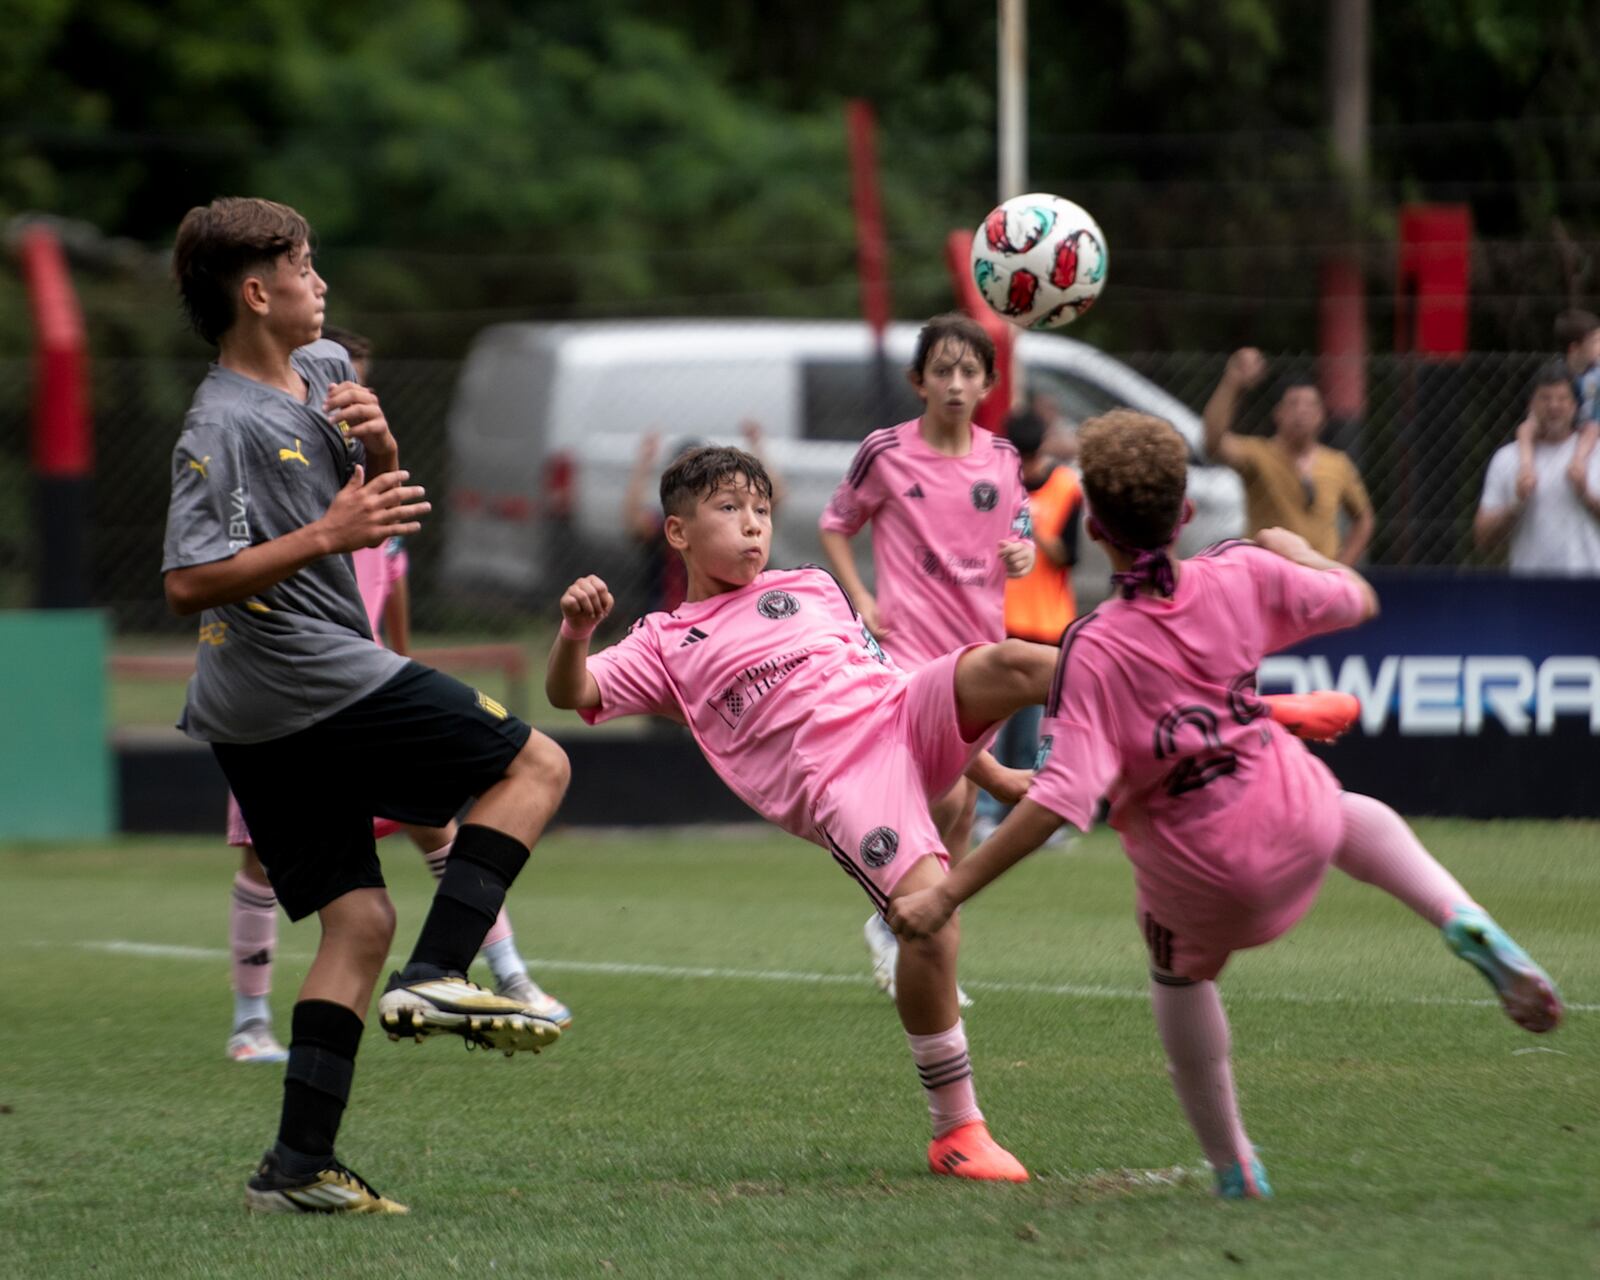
[{"x": 1039, "y": 260}]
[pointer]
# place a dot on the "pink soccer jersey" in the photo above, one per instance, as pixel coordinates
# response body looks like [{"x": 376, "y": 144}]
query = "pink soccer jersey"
[
  {"x": 937, "y": 523},
  {"x": 800, "y": 713},
  {"x": 377, "y": 570},
  {"x": 1229, "y": 821}
]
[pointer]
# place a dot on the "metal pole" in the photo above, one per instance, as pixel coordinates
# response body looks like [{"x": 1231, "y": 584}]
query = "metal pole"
[
  {"x": 1349, "y": 72},
  {"x": 1013, "y": 115}
]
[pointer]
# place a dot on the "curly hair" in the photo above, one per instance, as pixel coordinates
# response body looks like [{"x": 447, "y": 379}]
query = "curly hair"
[
  {"x": 699, "y": 472},
  {"x": 218, "y": 244},
  {"x": 1135, "y": 469}
]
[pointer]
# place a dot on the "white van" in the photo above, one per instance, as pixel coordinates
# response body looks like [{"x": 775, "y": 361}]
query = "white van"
[{"x": 547, "y": 419}]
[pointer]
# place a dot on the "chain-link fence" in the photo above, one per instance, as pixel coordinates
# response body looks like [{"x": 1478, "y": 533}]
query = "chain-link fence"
[{"x": 1422, "y": 447}]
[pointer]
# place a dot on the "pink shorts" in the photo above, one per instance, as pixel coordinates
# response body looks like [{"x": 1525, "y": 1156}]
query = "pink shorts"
[
  {"x": 1193, "y": 934},
  {"x": 239, "y": 834},
  {"x": 872, "y": 813}
]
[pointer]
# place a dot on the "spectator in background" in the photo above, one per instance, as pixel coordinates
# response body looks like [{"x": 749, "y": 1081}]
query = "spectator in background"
[
  {"x": 1060, "y": 431},
  {"x": 1291, "y": 480},
  {"x": 1578, "y": 340},
  {"x": 1039, "y": 605},
  {"x": 1578, "y": 337},
  {"x": 664, "y": 580},
  {"x": 1551, "y": 511}
]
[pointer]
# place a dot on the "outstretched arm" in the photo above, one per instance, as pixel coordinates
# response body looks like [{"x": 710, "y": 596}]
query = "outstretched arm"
[
  {"x": 917, "y": 915},
  {"x": 1244, "y": 369},
  {"x": 1294, "y": 548},
  {"x": 567, "y": 682}
]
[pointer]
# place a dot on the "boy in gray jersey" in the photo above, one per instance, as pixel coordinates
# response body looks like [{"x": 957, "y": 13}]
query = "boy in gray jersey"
[{"x": 285, "y": 465}]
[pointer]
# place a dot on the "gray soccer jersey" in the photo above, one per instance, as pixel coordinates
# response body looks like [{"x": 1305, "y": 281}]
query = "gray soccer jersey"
[{"x": 253, "y": 463}]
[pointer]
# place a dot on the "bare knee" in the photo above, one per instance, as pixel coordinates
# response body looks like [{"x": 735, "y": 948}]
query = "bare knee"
[
  {"x": 1027, "y": 668},
  {"x": 542, "y": 763},
  {"x": 250, "y": 866},
  {"x": 361, "y": 924}
]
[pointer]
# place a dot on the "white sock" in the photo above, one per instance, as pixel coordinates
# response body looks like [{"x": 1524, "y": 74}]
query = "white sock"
[
  {"x": 504, "y": 962},
  {"x": 250, "y": 1009}
]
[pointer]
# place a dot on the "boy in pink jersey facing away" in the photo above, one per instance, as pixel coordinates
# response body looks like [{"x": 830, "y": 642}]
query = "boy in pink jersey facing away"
[
  {"x": 253, "y": 913},
  {"x": 949, "y": 514},
  {"x": 1230, "y": 825},
  {"x": 804, "y": 717}
]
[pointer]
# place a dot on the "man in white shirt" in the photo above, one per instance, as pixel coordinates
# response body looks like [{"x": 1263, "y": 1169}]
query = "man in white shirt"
[{"x": 1551, "y": 514}]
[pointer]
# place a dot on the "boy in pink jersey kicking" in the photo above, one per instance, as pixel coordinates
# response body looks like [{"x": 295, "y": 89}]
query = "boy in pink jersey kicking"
[
  {"x": 1230, "y": 825},
  {"x": 805, "y": 718},
  {"x": 949, "y": 514},
  {"x": 253, "y": 910}
]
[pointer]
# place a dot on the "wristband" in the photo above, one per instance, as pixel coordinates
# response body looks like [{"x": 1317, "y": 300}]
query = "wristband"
[{"x": 570, "y": 632}]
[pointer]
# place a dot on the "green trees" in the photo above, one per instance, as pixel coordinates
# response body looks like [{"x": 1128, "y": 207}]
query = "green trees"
[{"x": 467, "y": 162}]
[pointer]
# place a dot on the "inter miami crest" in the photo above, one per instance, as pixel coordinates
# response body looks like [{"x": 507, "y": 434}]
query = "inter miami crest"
[
  {"x": 985, "y": 495},
  {"x": 879, "y": 846},
  {"x": 777, "y": 605}
]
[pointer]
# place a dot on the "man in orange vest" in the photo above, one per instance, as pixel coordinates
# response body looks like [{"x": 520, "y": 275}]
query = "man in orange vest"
[{"x": 1039, "y": 606}]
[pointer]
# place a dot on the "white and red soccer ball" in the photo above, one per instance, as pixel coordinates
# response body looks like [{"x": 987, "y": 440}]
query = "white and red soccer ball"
[{"x": 1039, "y": 260}]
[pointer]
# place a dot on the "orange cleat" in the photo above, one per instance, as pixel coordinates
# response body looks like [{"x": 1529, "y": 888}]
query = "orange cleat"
[
  {"x": 1321, "y": 716},
  {"x": 969, "y": 1152}
]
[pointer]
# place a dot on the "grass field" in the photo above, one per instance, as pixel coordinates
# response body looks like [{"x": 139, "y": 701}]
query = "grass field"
[{"x": 735, "y": 1100}]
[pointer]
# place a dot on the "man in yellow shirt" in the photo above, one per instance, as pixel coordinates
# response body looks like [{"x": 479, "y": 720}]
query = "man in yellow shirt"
[{"x": 1291, "y": 480}]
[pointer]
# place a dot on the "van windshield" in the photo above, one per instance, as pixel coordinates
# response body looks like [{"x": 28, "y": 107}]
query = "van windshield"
[
  {"x": 1073, "y": 396},
  {"x": 847, "y": 399}
]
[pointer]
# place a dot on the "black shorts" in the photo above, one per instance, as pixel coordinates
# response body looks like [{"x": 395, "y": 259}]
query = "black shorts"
[{"x": 415, "y": 750}]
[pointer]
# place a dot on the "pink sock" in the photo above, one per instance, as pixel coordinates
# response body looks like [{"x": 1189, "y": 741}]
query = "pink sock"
[
  {"x": 946, "y": 1073},
  {"x": 252, "y": 935},
  {"x": 500, "y": 930},
  {"x": 1194, "y": 1032},
  {"x": 1380, "y": 849}
]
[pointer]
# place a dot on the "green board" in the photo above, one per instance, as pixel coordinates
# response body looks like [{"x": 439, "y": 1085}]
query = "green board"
[{"x": 56, "y": 778}]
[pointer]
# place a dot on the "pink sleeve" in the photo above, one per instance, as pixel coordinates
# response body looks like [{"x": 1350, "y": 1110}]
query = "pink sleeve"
[
  {"x": 1021, "y": 514},
  {"x": 398, "y": 565},
  {"x": 1297, "y": 602},
  {"x": 857, "y": 498},
  {"x": 632, "y": 679},
  {"x": 1080, "y": 765},
  {"x": 1079, "y": 761}
]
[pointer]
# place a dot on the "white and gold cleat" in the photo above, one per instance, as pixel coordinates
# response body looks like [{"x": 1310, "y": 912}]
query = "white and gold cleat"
[
  {"x": 331, "y": 1190},
  {"x": 451, "y": 1005}
]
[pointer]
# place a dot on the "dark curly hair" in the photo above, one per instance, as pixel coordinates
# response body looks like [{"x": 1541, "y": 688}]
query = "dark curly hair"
[
  {"x": 219, "y": 244},
  {"x": 700, "y": 471},
  {"x": 960, "y": 329},
  {"x": 1135, "y": 470}
]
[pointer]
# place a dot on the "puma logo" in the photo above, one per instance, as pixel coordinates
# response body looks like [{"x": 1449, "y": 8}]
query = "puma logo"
[
  {"x": 201, "y": 465},
  {"x": 285, "y": 454}
]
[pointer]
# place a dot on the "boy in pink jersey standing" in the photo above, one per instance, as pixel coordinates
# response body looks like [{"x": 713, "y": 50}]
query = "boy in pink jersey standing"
[
  {"x": 1230, "y": 825},
  {"x": 807, "y": 720},
  {"x": 949, "y": 515}
]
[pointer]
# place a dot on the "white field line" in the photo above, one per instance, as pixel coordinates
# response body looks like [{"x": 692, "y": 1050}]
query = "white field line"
[{"x": 1080, "y": 991}]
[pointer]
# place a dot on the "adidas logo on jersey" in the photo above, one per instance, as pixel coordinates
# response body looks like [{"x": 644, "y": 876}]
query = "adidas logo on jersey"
[
  {"x": 915, "y": 491},
  {"x": 695, "y": 635}
]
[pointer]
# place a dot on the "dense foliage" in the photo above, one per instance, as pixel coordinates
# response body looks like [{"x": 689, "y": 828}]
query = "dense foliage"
[{"x": 469, "y": 162}]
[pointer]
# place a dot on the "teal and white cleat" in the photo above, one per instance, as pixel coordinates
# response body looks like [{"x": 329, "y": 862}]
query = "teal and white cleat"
[
  {"x": 450, "y": 1005},
  {"x": 1244, "y": 1180},
  {"x": 1526, "y": 993}
]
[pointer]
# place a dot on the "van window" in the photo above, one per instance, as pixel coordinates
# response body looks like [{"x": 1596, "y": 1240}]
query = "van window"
[
  {"x": 847, "y": 399},
  {"x": 1075, "y": 397}
]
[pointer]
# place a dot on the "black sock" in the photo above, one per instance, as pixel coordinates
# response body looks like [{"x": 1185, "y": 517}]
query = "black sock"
[
  {"x": 316, "y": 1084},
  {"x": 482, "y": 864}
]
